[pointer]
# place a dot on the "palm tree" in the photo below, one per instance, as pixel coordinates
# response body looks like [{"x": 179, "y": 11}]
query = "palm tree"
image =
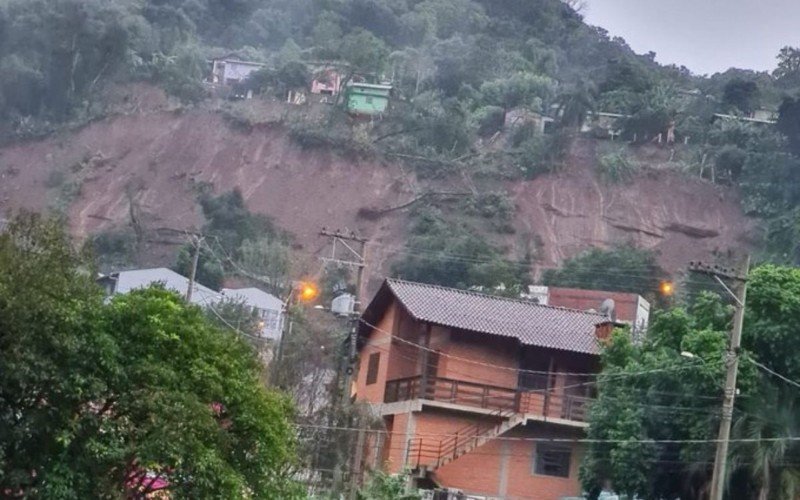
[{"x": 770, "y": 414}]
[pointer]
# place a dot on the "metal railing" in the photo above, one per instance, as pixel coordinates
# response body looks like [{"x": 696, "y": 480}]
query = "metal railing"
[{"x": 436, "y": 452}]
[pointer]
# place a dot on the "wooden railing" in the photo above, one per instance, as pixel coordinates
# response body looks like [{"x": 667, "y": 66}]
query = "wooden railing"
[{"x": 552, "y": 403}]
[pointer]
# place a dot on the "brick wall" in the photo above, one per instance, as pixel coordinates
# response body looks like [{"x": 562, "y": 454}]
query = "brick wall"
[
  {"x": 380, "y": 344},
  {"x": 405, "y": 359},
  {"x": 494, "y": 354},
  {"x": 626, "y": 304},
  {"x": 505, "y": 468}
]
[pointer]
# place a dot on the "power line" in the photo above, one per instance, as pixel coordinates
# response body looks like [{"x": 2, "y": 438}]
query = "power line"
[
  {"x": 235, "y": 329},
  {"x": 521, "y": 370},
  {"x": 772, "y": 372},
  {"x": 563, "y": 440}
]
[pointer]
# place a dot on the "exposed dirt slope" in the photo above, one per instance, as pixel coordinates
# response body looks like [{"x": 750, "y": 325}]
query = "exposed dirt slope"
[
  {"x": 682, "y": 217},
  {"x": 157, "y": 158}
]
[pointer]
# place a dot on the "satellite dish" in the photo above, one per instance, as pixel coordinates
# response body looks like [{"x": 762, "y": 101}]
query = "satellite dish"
[{"x": 607, "y": 309}]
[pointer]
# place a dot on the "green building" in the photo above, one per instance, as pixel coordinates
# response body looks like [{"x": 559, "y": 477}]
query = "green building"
[{"x": 367, "y": 98}]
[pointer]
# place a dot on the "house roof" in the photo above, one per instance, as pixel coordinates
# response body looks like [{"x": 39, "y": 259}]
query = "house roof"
[
  {"x": 125, "y": 281},
  {"x": 374, "y": 86},
  {"x": 744, "y": 119},
  {"x": 254, "y": 297},
  {"x": 530, "y": 323}
]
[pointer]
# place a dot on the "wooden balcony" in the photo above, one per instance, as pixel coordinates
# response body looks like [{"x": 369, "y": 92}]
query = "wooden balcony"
[{"x": 547, "y": 403}]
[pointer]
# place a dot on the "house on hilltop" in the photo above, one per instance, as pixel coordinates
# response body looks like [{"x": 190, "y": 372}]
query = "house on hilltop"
[
  {"x": 474, "y": 388},
  {"x": 367, "y": 98},
  {"x": 231, "y": 69}
]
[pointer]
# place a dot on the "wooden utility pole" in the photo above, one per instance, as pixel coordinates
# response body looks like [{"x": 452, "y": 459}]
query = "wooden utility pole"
[
  {"x": 343, "y": 242},
  {"x": 197, "y": 241},
  {"x": 739, "y": 295}
]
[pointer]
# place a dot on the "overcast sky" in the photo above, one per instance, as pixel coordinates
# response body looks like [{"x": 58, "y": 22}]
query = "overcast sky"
[{"x": 706, "y": 36}]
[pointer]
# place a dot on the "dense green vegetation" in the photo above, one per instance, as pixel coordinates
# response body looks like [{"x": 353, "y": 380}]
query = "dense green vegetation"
[
  {"x": 621, "y": 269},
  {"x": 449, "y": 253},
  {"x": 99, "y": 399},
  {"x": 237, "y": 242},
  {"x": 672, "y": 397}
]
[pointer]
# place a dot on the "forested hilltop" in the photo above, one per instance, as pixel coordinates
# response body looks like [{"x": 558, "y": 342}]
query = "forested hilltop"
[{"x": 459, "y": 69}]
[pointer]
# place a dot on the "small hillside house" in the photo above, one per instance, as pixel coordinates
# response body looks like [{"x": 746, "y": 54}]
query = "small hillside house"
[
  {"x": 367, "y": 98},
  {"x": 230, "y": 70},
  {"x": 482, "y": 394},
  {"x": 326, "y": 81}
]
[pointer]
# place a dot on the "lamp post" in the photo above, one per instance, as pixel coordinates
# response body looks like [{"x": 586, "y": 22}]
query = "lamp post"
[{"x": 302, "y": 291}]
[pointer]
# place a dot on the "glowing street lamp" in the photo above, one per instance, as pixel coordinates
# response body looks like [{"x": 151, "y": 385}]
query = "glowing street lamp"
[{"x": 307, "y": 291}]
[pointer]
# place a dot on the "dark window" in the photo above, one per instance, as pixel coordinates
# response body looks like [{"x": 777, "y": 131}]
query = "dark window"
[
  {"x": 369, "y": 99},
  {"x": 372, "y": 367},
  {"x": 551, "y": 460}
]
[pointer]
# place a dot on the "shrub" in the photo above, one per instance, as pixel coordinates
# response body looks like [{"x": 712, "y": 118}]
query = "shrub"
[
  {"x": 113, "y": 248},
  {"x": 616, "y": 166},
  {"x": 490, "y": 120}
]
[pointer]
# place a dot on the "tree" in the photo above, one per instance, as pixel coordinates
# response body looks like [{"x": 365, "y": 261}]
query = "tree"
[
  {"x": 649, "y": 391},
  {"x": 789, "y": 122},
  {"x": 769, "y": 416},
  {"x": 104, "y": 400},
  {"x": 788, "y": 71},
  {"x": 741, "y": 94},
  {"x": 365, "y": 52},
  {"x": 680, "y": 400},
  {"x": 520, "y": 89},
  {"x": 449, "y": 254},
  {"x": 575, "y": 104},
  {"x": 210, "y": 270},
  {"x": 621, "y": 269}
]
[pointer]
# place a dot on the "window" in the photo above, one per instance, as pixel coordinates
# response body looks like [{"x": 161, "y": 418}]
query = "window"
[
  {"x": 369, "y": 99},
  {"x": 271, "y": 319},
  {"x": 551, "y": 460},
  {"x": 372, "y": 367}
]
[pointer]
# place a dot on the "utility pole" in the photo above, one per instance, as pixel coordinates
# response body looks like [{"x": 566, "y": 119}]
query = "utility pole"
[
  {"x": 739, "y": 295},
  {"x": 342, "y": 242},
  {"x": 197, "y": 241}
]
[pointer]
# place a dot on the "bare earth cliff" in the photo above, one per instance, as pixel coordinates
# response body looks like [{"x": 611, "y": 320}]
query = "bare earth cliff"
[{"x": 150, "y": 165}]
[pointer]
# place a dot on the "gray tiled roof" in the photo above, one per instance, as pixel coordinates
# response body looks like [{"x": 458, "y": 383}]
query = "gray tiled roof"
[{"x": 532, "y": 324}]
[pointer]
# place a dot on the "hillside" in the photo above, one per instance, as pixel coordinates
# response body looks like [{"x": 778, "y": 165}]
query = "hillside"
[{"x": 155, "y": 159}]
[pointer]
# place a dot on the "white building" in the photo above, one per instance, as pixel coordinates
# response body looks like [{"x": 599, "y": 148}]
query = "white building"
[
  {"x": 126, "y": 281},
  {"x": 230, "y": 70},
  {"x": 268, "y": 307}
]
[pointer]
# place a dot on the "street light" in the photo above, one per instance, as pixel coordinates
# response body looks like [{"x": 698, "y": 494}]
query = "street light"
[
  {"x": 305, "y": 291},
  {"x": 308, "y": 291}
]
